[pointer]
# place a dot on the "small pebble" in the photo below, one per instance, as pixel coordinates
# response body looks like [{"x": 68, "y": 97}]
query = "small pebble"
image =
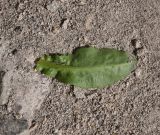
[
  {"x": 138, "y": 73},
  {"x": 65, "y": 24},
  {"x": 138, "y": 44},
  {"x": 53, "y": 6},
  {"x": 89, "y": 20}
]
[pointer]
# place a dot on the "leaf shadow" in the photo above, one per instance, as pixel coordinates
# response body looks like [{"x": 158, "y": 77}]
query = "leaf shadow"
[{"x": 85, "y": 46}]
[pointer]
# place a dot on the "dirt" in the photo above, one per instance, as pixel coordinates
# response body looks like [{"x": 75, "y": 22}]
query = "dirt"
[{"x": 32, "y": 104}]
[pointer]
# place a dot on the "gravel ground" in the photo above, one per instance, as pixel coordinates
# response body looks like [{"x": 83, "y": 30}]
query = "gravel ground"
[{"x": 32, "y": 104}]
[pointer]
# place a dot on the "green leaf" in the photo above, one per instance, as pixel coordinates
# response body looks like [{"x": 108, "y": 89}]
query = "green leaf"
[{"x": 88, "y": 67}]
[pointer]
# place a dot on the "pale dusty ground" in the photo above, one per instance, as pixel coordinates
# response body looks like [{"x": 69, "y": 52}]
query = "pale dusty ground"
[{"x": 33, "y": 104}]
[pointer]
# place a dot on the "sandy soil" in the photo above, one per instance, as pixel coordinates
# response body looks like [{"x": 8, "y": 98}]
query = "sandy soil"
[{"x": 32, "y": 104}]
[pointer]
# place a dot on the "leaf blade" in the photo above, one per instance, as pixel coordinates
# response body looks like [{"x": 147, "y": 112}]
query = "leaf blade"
[{"x": 93, "y": 71}]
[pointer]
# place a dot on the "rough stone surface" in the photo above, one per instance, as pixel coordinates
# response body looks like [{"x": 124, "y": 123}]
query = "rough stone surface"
[
  {"x": 12, "y": 126},
  {"x": 33, "y": 104}
]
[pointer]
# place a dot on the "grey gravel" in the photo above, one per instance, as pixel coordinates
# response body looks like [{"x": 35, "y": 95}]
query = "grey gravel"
[{"x": 34, "y": 104}]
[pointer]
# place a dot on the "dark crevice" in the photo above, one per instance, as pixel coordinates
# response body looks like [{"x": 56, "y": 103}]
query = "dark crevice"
[
  {"x": 14, "y": 51},
  {"x": 18, "y": 29},
  {"x": 33, "y": 123},
  {"x": 45, "y": 5},
  {"x": 4, "y": 108},
  {"x": 100, "y": 97},
  {"x": 17, "y": 6},
  {"x": 62, "y": 22},
  {"x": 2, "y": 73},
  {"x": 71, "y": 91},
  {"x": 133, "y": 43}
]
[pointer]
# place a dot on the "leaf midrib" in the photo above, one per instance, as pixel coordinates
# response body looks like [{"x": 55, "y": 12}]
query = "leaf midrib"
[{"x": 56, "y": 66}]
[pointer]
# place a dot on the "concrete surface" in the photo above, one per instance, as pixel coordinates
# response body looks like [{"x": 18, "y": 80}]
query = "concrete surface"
[{"x": 33, "y": 104}]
